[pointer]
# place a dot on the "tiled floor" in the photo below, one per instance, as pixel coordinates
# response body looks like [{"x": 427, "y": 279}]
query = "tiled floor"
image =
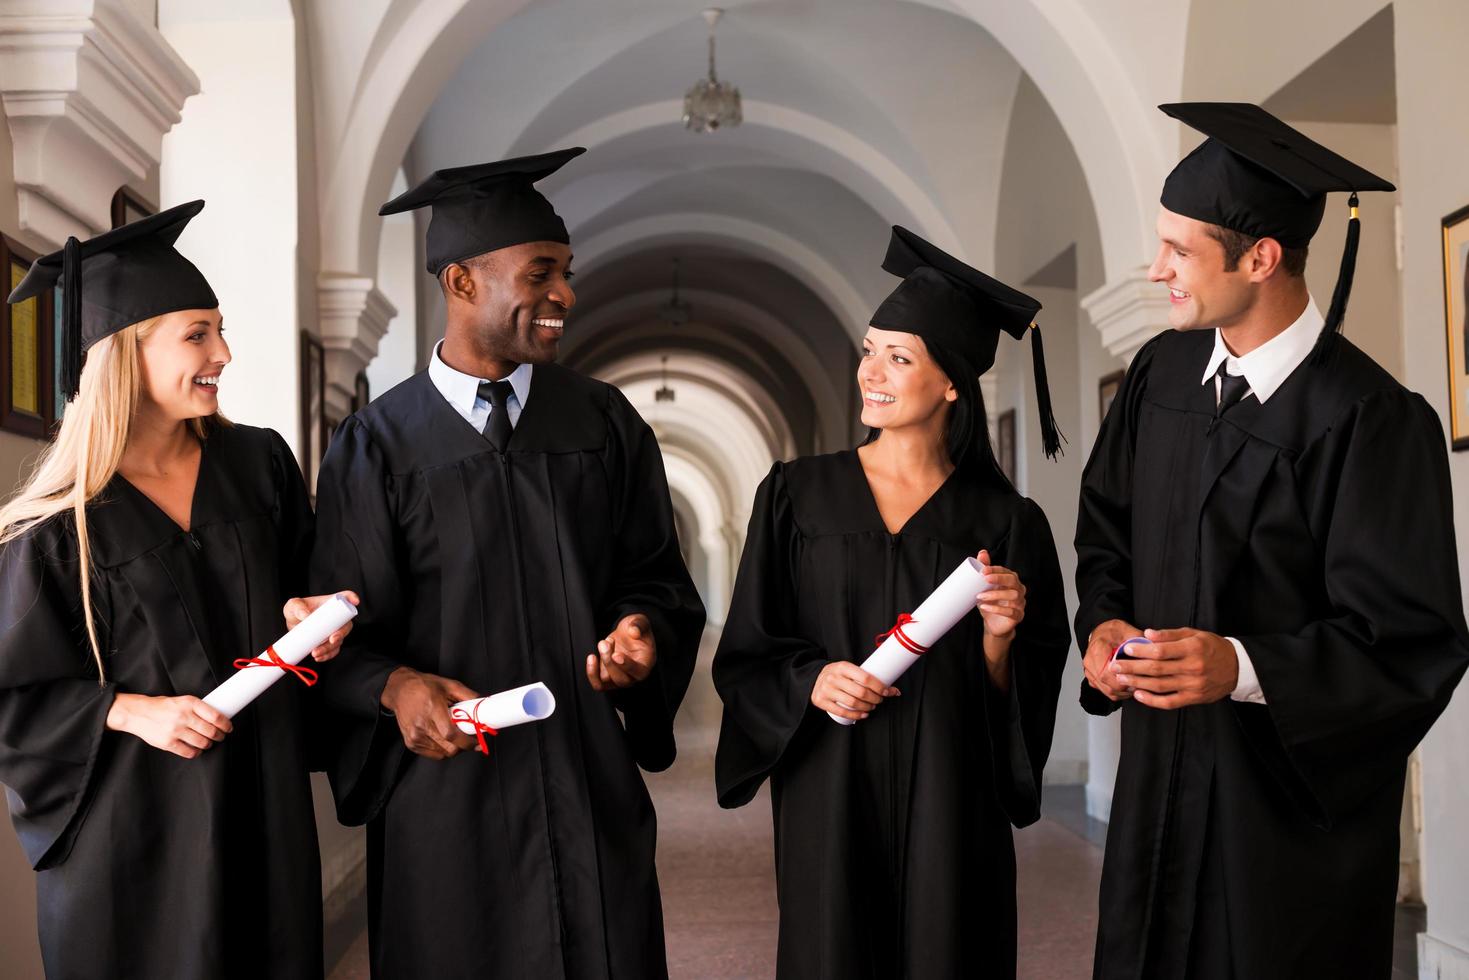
[{"x": 715, "y": 869}]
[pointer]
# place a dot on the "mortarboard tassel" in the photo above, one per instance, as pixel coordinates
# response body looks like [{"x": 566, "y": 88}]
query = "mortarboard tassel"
[
  {"x": 1051, "y": 437},
  {"x": 71, "y": 319},
  {"x": 1337, "y": 312}
]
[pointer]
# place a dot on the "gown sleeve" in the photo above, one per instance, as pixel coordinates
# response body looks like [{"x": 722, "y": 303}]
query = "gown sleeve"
[
  {"x": 764, "y": 669},
  {"x": 1023, "y": 720},
  {"x": 356, "y": 548},
  {"x": 1348, "y": 697},
  {"x": 53, "y": 711},
  {"x": 1104, "y": 521},
  {"x": 650, "y": 577}
]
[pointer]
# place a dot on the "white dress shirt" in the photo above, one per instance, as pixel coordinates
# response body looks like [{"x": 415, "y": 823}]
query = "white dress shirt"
[
  {"x": 1265, "y": 369},
  {"x": 462, "y": 391}
]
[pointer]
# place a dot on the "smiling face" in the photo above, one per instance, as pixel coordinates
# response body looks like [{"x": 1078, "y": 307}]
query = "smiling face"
[
  {"x": 1191, "y": 262},
  {"x": 901, "y": 384},
  {"x": 181, "y": 360},
  {"x": 522, "y": 295}
]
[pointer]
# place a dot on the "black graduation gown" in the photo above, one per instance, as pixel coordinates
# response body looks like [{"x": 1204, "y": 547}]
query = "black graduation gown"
[
  {"x": 148, "y": 864},
  {"x": 499, "y": 570},
  {"x": 893, "y": 848},
  {"x": 1261, "y": 841}
]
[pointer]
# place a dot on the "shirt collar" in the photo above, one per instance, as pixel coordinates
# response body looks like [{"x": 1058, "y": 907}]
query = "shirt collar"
[
  {"x": 461, "y": 389},
  {"x": 1267, "y": 366}
]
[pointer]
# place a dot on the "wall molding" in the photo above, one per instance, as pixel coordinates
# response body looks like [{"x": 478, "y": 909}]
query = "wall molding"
[
  {"x": 353, "y": 316},
  {"x": 89, "y": 91},
  {"x": 1128, "y": 312}
]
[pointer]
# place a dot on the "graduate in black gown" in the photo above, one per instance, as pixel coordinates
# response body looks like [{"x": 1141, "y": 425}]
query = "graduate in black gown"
[
  {"x": 893, "y": 846},
  {"x": 1272, "y": 510},
  {"x": 153, "y": 548},
  {"x": 508, "y": 521}
]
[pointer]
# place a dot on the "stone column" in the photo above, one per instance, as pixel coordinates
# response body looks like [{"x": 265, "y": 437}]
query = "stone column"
[
  {"x": 89, "y": 90},
  {"x": 354, "y": 316}
]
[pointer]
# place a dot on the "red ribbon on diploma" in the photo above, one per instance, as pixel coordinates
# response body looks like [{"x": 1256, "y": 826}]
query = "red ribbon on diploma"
[
  {"x": 906, "y": 641},
  {"x": 459, "y": 714},
  {"x": 305, "y": 675}
]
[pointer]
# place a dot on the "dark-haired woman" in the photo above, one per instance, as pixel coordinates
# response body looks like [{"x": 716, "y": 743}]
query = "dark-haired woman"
[{"x": 893, "y": 846}]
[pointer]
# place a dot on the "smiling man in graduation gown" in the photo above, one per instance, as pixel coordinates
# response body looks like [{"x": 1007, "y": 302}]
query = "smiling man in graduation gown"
[
  {"x": 1274, "y": 510},
  {"x": 505, "y": 521}
]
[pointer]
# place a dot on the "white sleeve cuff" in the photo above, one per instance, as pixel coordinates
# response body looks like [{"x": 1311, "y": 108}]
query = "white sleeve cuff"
[{"x": 1248, "y": 686}]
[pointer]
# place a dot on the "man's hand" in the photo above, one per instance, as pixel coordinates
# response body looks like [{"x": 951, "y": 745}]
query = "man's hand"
[
  {"x": 1179, "y": 668},
  {"x": 1106, "y": 638},
  {"x": 625, "y": 656},
  {"x": 296, "y": 610},
  {"x": 421, "y": 703}
]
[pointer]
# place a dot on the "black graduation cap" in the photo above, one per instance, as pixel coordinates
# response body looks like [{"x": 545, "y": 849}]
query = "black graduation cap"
[
  {"x": 1262, "y": 178},
  {"x": 956, "y": 306},
  {"x": 117, "y": 279},
  {"x": 486, "y": 206}
]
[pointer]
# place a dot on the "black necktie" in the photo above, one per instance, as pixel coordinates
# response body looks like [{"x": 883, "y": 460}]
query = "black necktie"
[
  {"x": 1232, "y": 388},
  {"x": 497, "y": 429}
]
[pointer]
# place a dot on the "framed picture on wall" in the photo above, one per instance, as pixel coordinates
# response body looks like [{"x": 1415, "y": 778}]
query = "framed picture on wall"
[
  {"x": 128, "y": 207},
  {"x": 1107, "y": 389},
  {"x": 314, "y": 429},
  {"x": 1005, "y": 443},
  {"x": 27, "y": 351},
  {"x": 1456, "y": 322}
]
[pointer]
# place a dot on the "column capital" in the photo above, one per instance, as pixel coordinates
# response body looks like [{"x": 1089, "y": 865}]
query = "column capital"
[
  {"x": 353, "y": 315},
  {"x": 1128, "y": 312},
  {"x": 89, "y": 91}
]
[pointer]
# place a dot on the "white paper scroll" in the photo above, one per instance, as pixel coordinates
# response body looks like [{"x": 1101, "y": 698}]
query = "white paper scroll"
[
  {"x": 533, "y": 702},
  {"x": 250, "y": 682},
  {"x": 931, "y": 620}
]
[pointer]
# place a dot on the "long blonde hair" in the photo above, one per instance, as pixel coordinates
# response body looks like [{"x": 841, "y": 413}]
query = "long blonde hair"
[{"x": 86, "y": 452}]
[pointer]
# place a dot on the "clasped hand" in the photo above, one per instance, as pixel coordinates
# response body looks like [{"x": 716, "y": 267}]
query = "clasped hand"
[{"x": 1175, "y": 669}]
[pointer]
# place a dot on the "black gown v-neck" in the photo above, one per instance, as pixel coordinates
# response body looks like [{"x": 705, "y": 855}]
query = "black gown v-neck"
[
  {"x": 892, "y": 836},
  {"x": 149, "y": 864}
]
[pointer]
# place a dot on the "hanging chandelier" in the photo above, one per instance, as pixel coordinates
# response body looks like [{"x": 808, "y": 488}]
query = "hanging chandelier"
[
  {"x": 712, "y": 104},
  {"x": 665, "y": 393},
  {"x": 675, "y": 312}
]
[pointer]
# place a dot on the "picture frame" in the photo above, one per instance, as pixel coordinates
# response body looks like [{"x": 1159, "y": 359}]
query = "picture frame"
[
  {"x": 28, "y": 356},
  {"x": 1107, "y": 387},
  {"x": 128, "y": 207},
  {"x": 1456, "y": 323},
  {"x": 314, "y": 429},
  {"x": 1005, "y": 443}
]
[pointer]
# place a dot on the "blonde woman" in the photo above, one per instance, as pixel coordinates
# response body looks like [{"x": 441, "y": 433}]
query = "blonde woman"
[{"x": 152, "y": 548}]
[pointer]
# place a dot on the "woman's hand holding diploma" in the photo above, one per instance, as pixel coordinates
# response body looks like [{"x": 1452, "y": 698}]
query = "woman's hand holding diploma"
[
  {"x": 296, "y": 610},
  {"x": 1002, "y": 607}
]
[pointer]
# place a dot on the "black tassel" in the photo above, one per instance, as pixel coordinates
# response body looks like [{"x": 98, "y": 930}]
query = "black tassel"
[
  {"x": 1051, "y": 437},
  {"x": 71, "y": 319},
  {"x": 1337, "y": 312}
]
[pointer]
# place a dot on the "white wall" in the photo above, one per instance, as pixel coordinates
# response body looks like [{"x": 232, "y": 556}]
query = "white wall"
[
  {"x": 236, "y": 147},
  {"x": 1433, "y": 146},
  {"x": 398, "y": 277}
]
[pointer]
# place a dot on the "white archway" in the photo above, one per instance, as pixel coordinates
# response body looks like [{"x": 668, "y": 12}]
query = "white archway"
[{"x": 834, "y": 289}]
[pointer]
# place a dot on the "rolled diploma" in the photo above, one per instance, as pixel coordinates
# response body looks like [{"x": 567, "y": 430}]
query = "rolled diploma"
[
  {"x": 533, "y": 702},
  {"x": 248, "y": 683},
  {"x": 931, "y": 620}
]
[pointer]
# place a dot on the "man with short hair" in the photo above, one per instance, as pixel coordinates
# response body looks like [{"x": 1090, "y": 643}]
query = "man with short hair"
[
  {"x": 1268, "y": 589},
  {"x": 505, "y": 521}
]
